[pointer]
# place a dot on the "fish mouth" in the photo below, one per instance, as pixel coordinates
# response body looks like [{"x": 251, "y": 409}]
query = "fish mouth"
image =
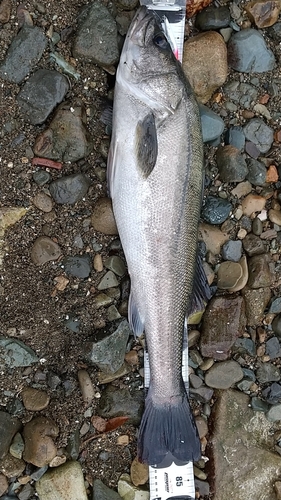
[{"x": 140, "y": 25}]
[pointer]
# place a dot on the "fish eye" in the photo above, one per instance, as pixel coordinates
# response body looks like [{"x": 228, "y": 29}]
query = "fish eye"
[{"x": 161, "y": 41}]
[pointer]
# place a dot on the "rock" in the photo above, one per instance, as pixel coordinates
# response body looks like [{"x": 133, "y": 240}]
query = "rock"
[
  {"x": 106, "y": 378},
  {"x": 108, "y": 281},
  {"x": 108, "y": 354},
  {"x": 224, "y": 321},
  {"x": 233, "y": 276},
  {"x": 216, "y": 210},
  {"x": 258, "y": 404},
  {"x": 202, "y": 426},
  {"x": 11, "y": 466},
  {"x": 102, "y": 492},
  {"x": 275, "y": 306},
  {"x": 243, "y": 94},
  {"x": 86, "y": 386},
  {"x": 139, "y": 472},
  {"x": 103, "y": 218},
  {"x": 128, "y": 491},
  {"x": 14, "y": 353},
  {"x": 202, "y": 487},
  {"x": 253, "y": 203},
  {"x": 96, "y": 37},
  {"x": 272, "y": 394},
  {"x": 235, "y": 137},
  {"x": 252, "y": 149},
  {"x": 263, "y": 13},
  {"x": 79, "y": 266},
  {"x": 224, "y": 375},
  {"x": 41, "y": 93},
  {"x": 257, "y": 227},
  {"x": 212, "y": 124},
  {"x": 257, "y": 173},
  {"x": 17, "y": 446},
  {"x": 5, "y": 12},
  {"x": 275, "y": 216},
  {"x": 69, "y": 189},
  {"x": 267, "y": 372},
  {"x": 116, "y": 265},
  {"x": 242, "y": 189},
  {"x": 243, "y": 435},
  {"x": 272, "y": 348},
  {"x": 232, "y": 250},
  {"x": 39, "y": 445},
  {"x": 213, "y": 18},
  {"x": 253, "y": 245},
  {"x": 277, "y": 489},
  {"x": 62, "y": 483},
  {"x": 41, "y": 177},
  {"x": 34, "y": 399},
  {"x": 256, "y": 301},
  {"x": 102, "y": 300},
  {"x": 199, "y": 53},
  {"x": 276, "y": 325},
  {"x": 202, "y": 394},
  {"x": 121, "y": 403},
  {"x": 248, "y": 53},
  {"x": 274, "y": 413},
  {"x": 272, "y": 174},
  {"x": 3, "y": 480},
  {"x": 23, "y": 54},
  {"x": 245, "y": 346},
  {"x": 72, "y": 322},
  {"x": 213, "y": 237},
  {"x": 44, "y": 250},
  {"x": 259, "y": 133},
  {"x": 43, "y": 202},
  {"x": 9, "y": 426},
  {"x": 260, "y": 275},
  {"x": 231, "y": 164},
  {"x": 67, "y": 138}
]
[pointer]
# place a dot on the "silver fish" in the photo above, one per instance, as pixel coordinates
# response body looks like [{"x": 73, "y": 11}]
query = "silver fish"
[{"x": 155, "y": 171}]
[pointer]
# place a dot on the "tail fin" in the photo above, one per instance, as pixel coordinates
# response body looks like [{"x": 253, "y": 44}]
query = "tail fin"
[{"x": 168, "y": 428}]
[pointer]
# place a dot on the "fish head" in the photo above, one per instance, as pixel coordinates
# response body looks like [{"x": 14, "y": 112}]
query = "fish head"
[{"x": 148, "y": 67}]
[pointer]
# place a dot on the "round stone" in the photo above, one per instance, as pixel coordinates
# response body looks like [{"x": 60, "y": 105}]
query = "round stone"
[
  {"x": 44, "y": 250},
  {"x": 224, "y": 375}
]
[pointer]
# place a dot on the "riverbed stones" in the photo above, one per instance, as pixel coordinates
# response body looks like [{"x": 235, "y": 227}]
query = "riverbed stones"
[
  {"x": 38, "y": 436},
  {"x": 253, "y": 203},
  {"x": 231, "y": 164},
  {"x": 242, "y": 435},
  {"x": 3, "y": 484},
  {"x": 263, "y": 13},
  {"x": 79, "y": 266},
  {"x": 109, "y": 280},
  {"x": 9, "y": 426},
  {"x": 70, "y": 188},
  {"x": 65, "y": 482},
  {"x": 256, "y": 301},
  {"x": 232, "y": 250},
  {"x": 224, "y": 375},
  {"x": 260, "y": 274},
  {"x": 102, "y": 492},
  {"x": 215, "y": 210},
  {"x": 198, "y": 56},
  {"x": 224, "y": 321},
  {"x": 102, "y": 218},
  {"x": 44, "y": 250},
  {"x": 119, "y": 403},
  {"x": 14, "y": 353},
  {"x": 34, "y": 399},
  {"x": 212, "y": 125},
  {"x": 257, "y": 172},
  {"x": 267, "y": 372},
  {"x": 253, "y": 245},
  {"x": 259, "y": 133},
  {"x": 41, "y": 93},
  {"x": 213, "y": 18},
  {"x": 248, "y": 52},
  {"x": 24, "y": 52}
]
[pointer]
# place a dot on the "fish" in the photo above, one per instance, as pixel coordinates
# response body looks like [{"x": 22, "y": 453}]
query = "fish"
[{"x": 155, "y": 179}]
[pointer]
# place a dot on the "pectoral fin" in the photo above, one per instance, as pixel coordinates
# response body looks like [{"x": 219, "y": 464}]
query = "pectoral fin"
[
  {"x": 201, "y": 292},
  {"x": 146, "y": 144}
]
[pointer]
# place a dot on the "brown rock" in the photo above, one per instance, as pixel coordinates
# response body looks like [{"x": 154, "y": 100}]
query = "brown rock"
[
  {"x": 194, "y": 6},
  {"x": 260, "y": 275},
  {"x": 202, "y": 426},
  {"x": 34, "y": 399},
  {"x": 3, "y": 484},
  {"x": 5, "y": 11},
  {"x": 233, "y": 276},
  {"x": 256, "y": 301},
  {"x": 213, "y": 237},
  {"x": 43, "y": 202},
  {"x": 223, "y": 322},
  {"x": 253, "y": 203},
  {"x": 132, "y": 358},
  {"x": 12, "y": 466},
  {"x": 205, "y": 63},
  {"x": 39, "y": 445},
  {"x": 263, "y": 13},
  {"x": 86, "y": 386},
  {"x": 103, "y": 218},
  {"x": 272, "y": 174},
  {"x": 9, "y": 426},
  {"x": 242, "y": 189},
  {"x": 139, "y": 472},
  {"x": 275, "y": 216},
  {"x": 253, "y": 245},
  {"x": 44, "y": 250}
]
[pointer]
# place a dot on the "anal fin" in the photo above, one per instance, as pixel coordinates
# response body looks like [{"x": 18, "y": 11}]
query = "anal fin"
[{"x": 135, "y": 321}]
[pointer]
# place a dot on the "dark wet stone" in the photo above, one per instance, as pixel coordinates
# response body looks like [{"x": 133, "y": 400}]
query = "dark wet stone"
[
  {"x": 224, "y": 321},
  {"x": 257, "y": 226},
  {"x": 78, "y": 265},
  {"x": 267, "y": 372},
  {"x": 102, "y": 492},
  {"x": 249, "y": 374},
  {"x": 235, "y": 137},
  {"x": 203, "y": 394},
  {"x": 241, "y": 93},
  {"x": 213, "y": 18},
  {"x": 260, "y": 275},
  {"x": 115, "y": 264},
  {"x": 275, "y": 306},
  {"x": 96, "y": 37},
  {"x": 41, "y": 93},
  {"x": 73, "y": 444},
  {"x": 15, "y": 407},
  {"x": 203, "y": 487},
  {"x": 276, "y": 325},
  {"x": 232, "y": 250},
  {"x": 14, "y": 353},
  {"x": 69, "y": 189},
  {"x": 244, "y": 346},
  {"x": 248, "y": 53},
  {"x": 275, "y": 31},
  {"x": 72, "y": 323},
  {"x": 41, "y": 177},
  {"x": 258, "y": 404},
  {"x": 9, "y": 426},
  {"x": 256, "y": 301},
  {"x": 116, "y": 402},
  {"x": 272, "y": 394},
  {"x": 274, "y": 413},
  {"x": 195, "y": 381},
  {"x": 212, "y": 124},
  {"x": 231, "y": 164},
  {"x": 24, "y": 52},
  {"x": 67, "y": 138},
  {"x": 253, "y": 245},
  {"x": 108, "y": 354},
  {"x": 257, "y": 173},
  {"x": 273, "y": 348},
  {"x": 252, "y": 149},
  {"x": 216, "y": 210},
  {"x": 244, "y": 385},
  {"x": 259, "y": 133}
]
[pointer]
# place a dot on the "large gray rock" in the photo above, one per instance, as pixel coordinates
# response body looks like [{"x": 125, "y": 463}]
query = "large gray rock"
[
  {"x": 243, "y": 464},
  {"x": 117, "y": 402},
  {"x": 70, "y": 188},
  {"x": 15, "y": 353},
  {"x": 247, "y": 52},
  {"x": 62, "y": 483},
  {"x": 102, "y": 492}
]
